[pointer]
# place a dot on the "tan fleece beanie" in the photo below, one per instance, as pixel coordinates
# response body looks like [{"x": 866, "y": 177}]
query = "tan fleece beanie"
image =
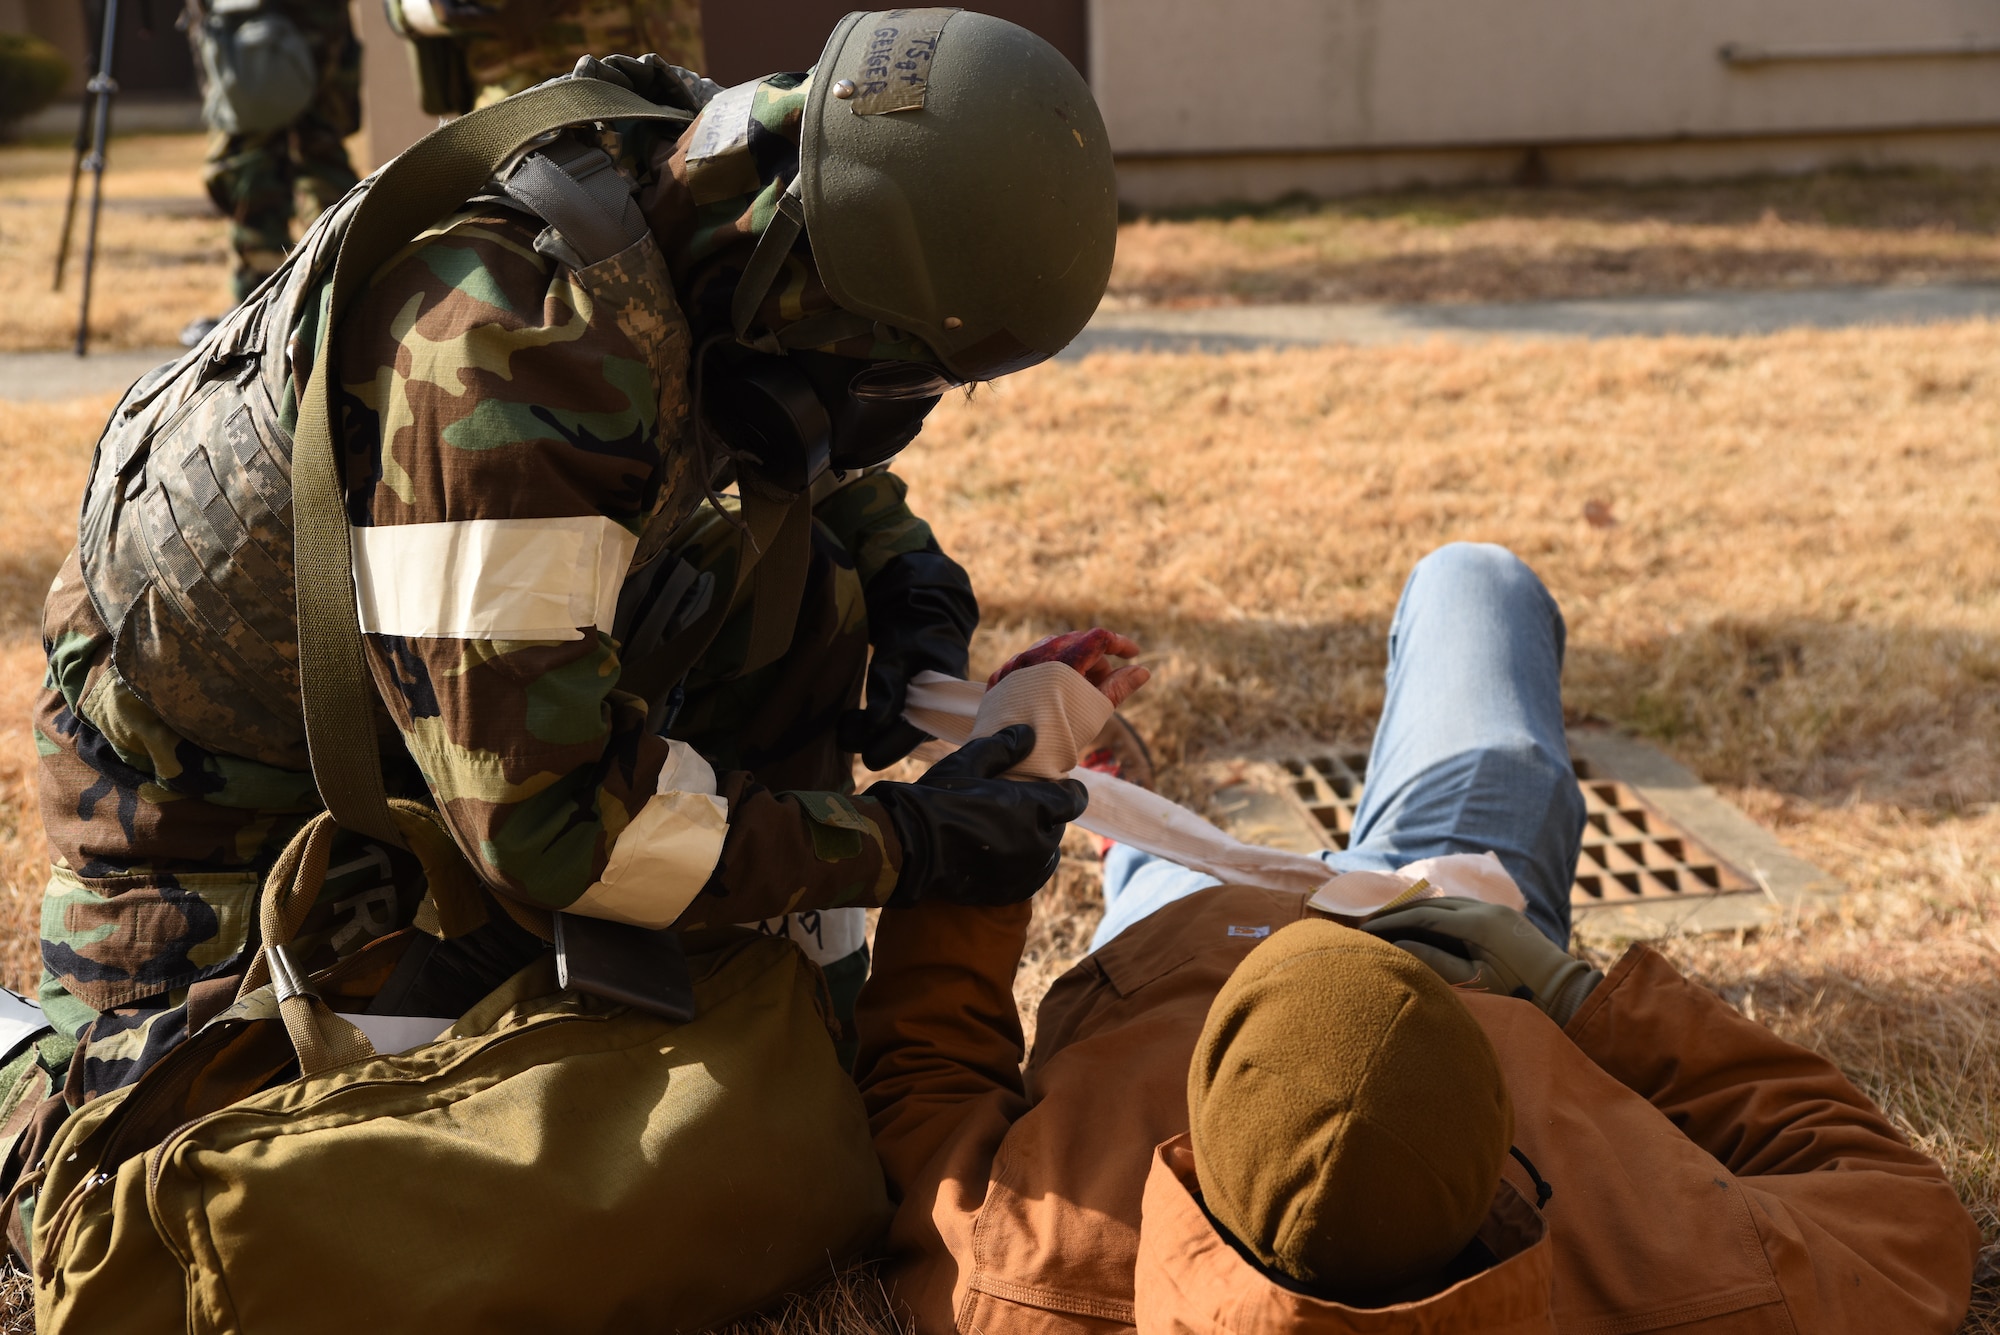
[{"x": 1349, "y": 1118}]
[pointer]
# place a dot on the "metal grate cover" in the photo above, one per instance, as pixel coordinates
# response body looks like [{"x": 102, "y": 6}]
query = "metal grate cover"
[{"x": 1632, "y": 853}]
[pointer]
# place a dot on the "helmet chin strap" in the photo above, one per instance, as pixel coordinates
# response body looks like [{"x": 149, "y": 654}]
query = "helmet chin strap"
[
  {"x": 779, "y": 237},
  {"x": 766, "y": 261}
]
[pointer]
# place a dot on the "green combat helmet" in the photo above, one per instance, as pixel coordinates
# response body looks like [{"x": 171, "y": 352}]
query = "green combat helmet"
[{"x": 955, "y": 184}]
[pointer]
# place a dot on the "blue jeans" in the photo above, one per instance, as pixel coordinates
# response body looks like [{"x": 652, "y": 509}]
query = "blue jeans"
[{"x": 1470, "y": 753}]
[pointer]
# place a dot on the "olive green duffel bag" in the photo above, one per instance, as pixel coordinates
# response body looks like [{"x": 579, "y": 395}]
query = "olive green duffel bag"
[{"x": 552, "y": 1163}]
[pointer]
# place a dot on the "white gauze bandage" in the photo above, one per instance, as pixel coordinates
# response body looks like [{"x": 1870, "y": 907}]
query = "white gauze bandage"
[
  {"x": 955, "y": 711},
  {"x": 1066, "y": 710},
  {"x": 660, "y": 861}
]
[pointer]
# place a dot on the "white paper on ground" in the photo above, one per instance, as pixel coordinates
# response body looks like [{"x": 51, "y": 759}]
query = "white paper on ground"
[
  {"x": 390, "y": 1034},
  {"x": 20, "y": 1021},
  {"x": 946, "y": 707}
]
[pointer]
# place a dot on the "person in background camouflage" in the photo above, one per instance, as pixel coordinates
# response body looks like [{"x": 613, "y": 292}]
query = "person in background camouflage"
[
  {"x": 502, "y": 64},
  {"x": 487, "y": 384},
  {"x": 254, "y": 179}
]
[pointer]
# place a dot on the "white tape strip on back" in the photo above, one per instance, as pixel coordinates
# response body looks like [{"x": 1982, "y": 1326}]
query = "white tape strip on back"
[
  {"x": 491, "y": 579},
  {"x": 947, "y": 708}
]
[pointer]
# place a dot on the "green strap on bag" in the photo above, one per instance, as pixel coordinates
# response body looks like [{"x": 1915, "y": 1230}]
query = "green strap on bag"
[{"x": 453, "y": 904}]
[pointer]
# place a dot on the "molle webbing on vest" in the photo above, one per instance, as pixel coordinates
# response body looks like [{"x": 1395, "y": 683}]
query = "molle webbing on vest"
[{"x": 185, "y": 535}]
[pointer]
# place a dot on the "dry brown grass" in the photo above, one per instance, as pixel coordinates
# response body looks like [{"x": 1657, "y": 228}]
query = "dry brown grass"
[
  {"x": 162, "y": 253},
  {"x": 17, "y": 1302},
  {"x": 1523, "y": 244},
  {"x": 1798, "y": 598},
  {"x": 851, "y": 1301},
  {"x": 44, "y": 454}
]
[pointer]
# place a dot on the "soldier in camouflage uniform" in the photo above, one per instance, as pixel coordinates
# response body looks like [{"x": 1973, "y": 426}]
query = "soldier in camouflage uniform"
[
  {"x": 255, "y": 178},
  {"x": 501, "y": 64},
  {"x": 471, "y": 55},
  {"x": 517, "y": 432}
]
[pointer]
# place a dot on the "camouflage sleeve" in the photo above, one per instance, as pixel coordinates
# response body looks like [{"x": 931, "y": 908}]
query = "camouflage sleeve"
[
  {"x": 502, "y": 429},
  {"x": 794, "y": 851},
  {"x": 872, "y": 520}
]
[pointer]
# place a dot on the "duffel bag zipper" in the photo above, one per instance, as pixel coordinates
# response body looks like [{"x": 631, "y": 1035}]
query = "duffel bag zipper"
[
  {"x": 67, "y": 1214},
  {"x": 71, "y": 1208}
]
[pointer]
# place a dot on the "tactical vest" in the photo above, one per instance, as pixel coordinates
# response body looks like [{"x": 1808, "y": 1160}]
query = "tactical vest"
[{"x": 185, "y": 537}]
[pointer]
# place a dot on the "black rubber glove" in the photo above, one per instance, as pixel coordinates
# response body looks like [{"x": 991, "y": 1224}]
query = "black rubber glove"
[
  {"x": 921, "y": 615},
  {"x": 972, "y": 837},
  {"x": 1489, "y": 948},
  {"x": 651, "y": 78}
]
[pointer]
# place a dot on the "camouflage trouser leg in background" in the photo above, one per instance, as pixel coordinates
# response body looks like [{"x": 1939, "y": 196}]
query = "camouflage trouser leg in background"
[
  {"x": 249, "y": 176},
  {"x": 252, "y": 178},
  {"x": 319, "y": 137}
]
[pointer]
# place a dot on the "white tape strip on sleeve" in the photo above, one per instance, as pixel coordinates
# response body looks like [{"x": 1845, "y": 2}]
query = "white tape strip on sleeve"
[
  {"x": 660, "y": 861},
  {"x": 826, "y": 935},
  {"x": 491, "y": 579},
  {"x": 946, "y": 708}
]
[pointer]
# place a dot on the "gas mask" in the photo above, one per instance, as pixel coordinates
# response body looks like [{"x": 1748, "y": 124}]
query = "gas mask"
[{"x": 794, "y": 417}]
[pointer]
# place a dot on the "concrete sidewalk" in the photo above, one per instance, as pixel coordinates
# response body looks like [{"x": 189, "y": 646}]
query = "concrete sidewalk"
[
  {"x": 1226, "y": 328},
  {"x": 64, "y": 375},
  {"x": 60, "y": 375}
]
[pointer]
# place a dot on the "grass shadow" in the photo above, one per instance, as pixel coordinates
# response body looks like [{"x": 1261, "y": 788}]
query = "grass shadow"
[{"x": 1822, "y": 711}]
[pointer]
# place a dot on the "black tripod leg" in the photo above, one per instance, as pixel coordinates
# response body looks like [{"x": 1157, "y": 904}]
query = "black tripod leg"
[
  {"x": 88, "y": 114},
  {"x": 102, "y": 86}
]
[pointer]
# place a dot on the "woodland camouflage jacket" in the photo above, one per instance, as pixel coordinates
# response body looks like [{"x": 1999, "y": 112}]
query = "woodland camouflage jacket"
[{"x": 512, "y": 427}]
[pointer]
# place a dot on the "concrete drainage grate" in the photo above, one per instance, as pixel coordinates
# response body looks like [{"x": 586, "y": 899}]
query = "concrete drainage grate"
[
  {"x": 1662, "y": 852},
  {"x": 1631, "y": 851}
]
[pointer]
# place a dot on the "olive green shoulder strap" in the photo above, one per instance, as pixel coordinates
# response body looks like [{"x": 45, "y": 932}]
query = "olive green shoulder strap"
[{"x": 438, "y": 174}]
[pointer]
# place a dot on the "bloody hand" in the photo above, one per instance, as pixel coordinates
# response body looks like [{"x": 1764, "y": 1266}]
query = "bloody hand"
[{"x": 1084, "y": 650}]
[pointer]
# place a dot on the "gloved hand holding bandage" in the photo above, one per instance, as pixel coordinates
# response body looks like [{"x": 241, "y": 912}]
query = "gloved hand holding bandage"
[
  {"x": 970, "y": 836},
  {"x": 984, "y": 825},
  {"x": 1065, "y": 689}
]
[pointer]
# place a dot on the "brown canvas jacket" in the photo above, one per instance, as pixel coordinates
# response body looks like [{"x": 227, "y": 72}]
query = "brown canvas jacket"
[
  {"x": 1191, "y": 1282},
  {"x": 1707, "y": 1175}
]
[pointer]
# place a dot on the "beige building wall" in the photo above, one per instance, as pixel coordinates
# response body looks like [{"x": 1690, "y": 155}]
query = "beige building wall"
[
  {"x": 1213, "y": 100},
  {"x": 1254, "y": 98}
]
